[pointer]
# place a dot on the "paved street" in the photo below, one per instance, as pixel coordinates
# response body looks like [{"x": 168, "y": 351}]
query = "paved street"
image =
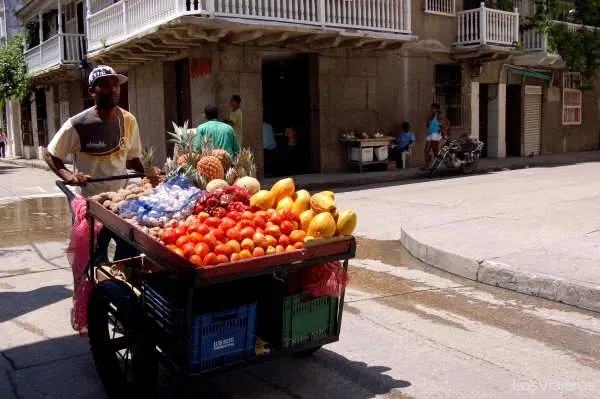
[{"x": 409, "y": 330}]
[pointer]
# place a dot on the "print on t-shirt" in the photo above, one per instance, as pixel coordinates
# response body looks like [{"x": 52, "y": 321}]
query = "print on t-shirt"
[{"x": 98, "y": 136}]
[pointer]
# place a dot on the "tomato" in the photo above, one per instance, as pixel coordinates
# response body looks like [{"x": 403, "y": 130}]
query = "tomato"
[
  {"x": 227, "y": 223},
  {"x": 196, "y": 260},
  {"x": 219, "y": 234},
  {"x": 288, "y": 214},
  {"x": 201, "y": 249},
  {"x": 271, "y": 241},
  {"x": 234, "y": 234},
  {"x": 299, "y": 245},
  {"x": 188, "y": 249},
  {"x": 286, "y": 227},
  {"x": 169, "y": 236},
  {"x": 222, "y": 259},
  {"x": 202, "y": 216},
  {"x": 235, "y": 215},
  {"x": 276, "y": 219},
  {"x": 245, "y": 254},
  {"x": 263, "y": 214},
  {"x": 247, "y": 243},
  {"x": 290, "y": 248},
  {"x": 297, "y": 236},
  {"x": 210, "y": 259},
  {"x": 224, "y": 249},
  {"x": 210, "y": 239},
  {"x": 213, "y": 222},
  {"x": 284, "y": 240},
  {"x": 235, "y": 257},
  {"x": 258, "y": 251},
  {"x": 273, "y": 231},
  {"x": 235, "y": 245},
  {"x": 270, "y": 250},
  {"x": 245, "y": 223},
  {"x": 180, "y": 230},
  {"x": 279, "y": 249},
  {"x": 195, "y": 237},
  {"x": 182, "y": 240},
  {"x": 247, "y": 232},
  {"x": 247, "y": 215},
  {"x": 259, "y": 240},
  {"x": 259, "y": 221},
  {"x": 202, "y": 229},
  {"x": 191, "y": 227}
]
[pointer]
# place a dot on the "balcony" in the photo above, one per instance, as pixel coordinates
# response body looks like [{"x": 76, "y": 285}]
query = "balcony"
[
  {"x": 441, "y": 7},
  {"x": 126, "y": 19},
  {"x": 485, "y": 26},
  {"x": 60, "y": 49}
]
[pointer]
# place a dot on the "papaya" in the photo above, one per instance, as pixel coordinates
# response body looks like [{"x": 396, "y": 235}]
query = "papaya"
[
  {"x": 302, "y": 202},
  {"x": 346, "y": 222},
  {"x": 283, "y": 188},
  {"x": 322, "y": 202},
  {"x": 285, "y": 203},
  {"x": 305, "y": 219},
  {"x": 322, "y": 226},
  {"x": 264, "y": 199}
]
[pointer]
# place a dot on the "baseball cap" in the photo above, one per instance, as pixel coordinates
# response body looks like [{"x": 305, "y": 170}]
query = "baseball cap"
[{"x": 102, "y": 71}]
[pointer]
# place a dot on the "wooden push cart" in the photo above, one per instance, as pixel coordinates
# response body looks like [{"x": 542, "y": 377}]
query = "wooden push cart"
[{"x": 158, "y": 308}]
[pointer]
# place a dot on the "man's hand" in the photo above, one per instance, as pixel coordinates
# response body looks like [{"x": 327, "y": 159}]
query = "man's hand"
[{"x": 78, "y": 179}]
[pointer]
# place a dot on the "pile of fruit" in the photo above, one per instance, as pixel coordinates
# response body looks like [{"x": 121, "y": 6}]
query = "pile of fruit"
[{"x": 231, "y": 225}]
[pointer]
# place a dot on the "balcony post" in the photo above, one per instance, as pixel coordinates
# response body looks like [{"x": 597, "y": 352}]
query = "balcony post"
[
  {"x": 516, "y": 28},
  {"x": 125, "y": 16},
  {"x": 407, "y": 17},
  {"x": 482, "y": 24},
  {"x": 210, "y": 7},
  {"x": 322, "y": 17},
  {"x": 61, "y": 55},
  {"x": 41, "y": 36}
]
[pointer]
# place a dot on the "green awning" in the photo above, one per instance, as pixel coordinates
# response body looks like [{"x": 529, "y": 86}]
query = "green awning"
[{"x": 531, "y": 74}]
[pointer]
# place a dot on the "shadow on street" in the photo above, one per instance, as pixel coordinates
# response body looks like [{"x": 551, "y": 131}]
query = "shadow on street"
[{"x": 15, "y": 304}]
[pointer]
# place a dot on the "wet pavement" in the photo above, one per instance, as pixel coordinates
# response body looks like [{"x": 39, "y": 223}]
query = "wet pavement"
[{"x": 409, "y": 330}]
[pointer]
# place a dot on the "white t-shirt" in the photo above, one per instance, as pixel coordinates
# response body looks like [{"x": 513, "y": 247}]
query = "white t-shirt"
[{"x": 100, "y": 147}]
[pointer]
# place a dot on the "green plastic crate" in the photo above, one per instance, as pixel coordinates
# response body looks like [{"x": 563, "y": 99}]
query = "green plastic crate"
[{"x": 307, "y": 321}]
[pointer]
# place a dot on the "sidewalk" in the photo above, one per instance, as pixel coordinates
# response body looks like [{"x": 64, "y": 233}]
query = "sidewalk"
[
  {"x": 320, "y": 181},
  {"x": 535, "y": 231}
]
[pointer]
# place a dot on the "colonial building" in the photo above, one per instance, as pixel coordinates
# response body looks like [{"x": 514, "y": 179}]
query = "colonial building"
[{"x": 321, "y": 67}]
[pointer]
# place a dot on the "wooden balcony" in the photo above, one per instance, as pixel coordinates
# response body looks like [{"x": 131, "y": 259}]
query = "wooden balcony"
[
  {"x": 60, "y": 49},
  {"x": 117, "y": 23}
]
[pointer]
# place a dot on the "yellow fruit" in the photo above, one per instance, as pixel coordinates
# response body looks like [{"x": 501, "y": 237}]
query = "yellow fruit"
[
  {"x": 346, "y": 223},
  {"x": 330, "y": 193},
  {"x": 264, "y": 199},
  {"x": 322, "y": 226},
  {"x": 305, "y": 219},
  {"x": 283, "y": 188},
  {"x": 302, "y": 202},
  {"x": 322, "y": 202},
  {"x": 308, "y": 238},
  {"x": 285, "y": 203}
]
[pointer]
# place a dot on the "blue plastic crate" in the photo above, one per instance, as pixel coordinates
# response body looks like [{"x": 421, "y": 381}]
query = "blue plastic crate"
[{"x": 222, "y": 338}]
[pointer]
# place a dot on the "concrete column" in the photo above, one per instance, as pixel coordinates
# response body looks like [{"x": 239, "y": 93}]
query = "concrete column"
[
  {"x": 50, "y": 114},
  {"x": 34, "y": 128},
  {"x": 13, "y": 124},
  {"x": 501, "y": 120},
  {"x": 496, "y": 141},
  {"x": 475, "y": 109}
]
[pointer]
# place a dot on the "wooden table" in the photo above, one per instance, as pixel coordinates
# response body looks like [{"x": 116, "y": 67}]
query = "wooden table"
[{"x": 360, "y": 144}]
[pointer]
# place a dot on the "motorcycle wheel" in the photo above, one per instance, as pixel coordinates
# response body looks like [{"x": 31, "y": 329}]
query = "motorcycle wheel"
[
  {"x": 468, "y": 168},
  {"x": 437, "y": 161}
]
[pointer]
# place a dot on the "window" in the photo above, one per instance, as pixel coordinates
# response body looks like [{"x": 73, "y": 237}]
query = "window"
[
  {"x": 572, "y": 98},
  {"x": 448, "y": 92},
  {"x": 443, "y": 7}
]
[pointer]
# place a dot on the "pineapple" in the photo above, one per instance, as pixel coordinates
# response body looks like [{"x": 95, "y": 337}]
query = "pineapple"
[
  {"x": 244, "y": 163},
  {"x": 183, "y": 138},
  {"x": 149, "y": 170},
  {"x": 231, "y": 176},
  {"x": 210, "y": 167},
  {"x": 223, "y": 157}
]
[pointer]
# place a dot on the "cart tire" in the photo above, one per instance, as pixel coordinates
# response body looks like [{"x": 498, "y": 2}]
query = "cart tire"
[
  {"x": 307, "y": 353},
  {"x": 114, "y": 308}
]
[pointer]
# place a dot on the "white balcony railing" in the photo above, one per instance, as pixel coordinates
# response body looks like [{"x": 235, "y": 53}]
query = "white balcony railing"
[
  {"x": 534, "y": 40},
  {"x": 483, "y": 26},
  {"x": 52, "y": 53},
  {"x": 441, "y": 7},
  {"x": 126, "y": 18}
]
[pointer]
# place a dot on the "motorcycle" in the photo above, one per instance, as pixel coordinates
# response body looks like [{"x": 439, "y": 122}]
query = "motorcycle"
[{"x": 458, "y": 154}]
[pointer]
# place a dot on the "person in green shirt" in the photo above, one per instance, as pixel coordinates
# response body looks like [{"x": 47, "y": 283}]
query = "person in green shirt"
[{"x": 221, "y": 134}]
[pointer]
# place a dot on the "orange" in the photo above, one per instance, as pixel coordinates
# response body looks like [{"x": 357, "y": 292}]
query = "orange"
[
  {"x": 297, "y": 236},
  {"x": 245, "y": 254},
  {"x": 222, "y": 259},
  {"x": 258, "y": 251},
  {"x": 248, "y": 244}
]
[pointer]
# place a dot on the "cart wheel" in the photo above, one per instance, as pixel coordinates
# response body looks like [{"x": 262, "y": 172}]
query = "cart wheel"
[
  {"x": 307, "y": 353},
  {"x": 127, "y": 367}
]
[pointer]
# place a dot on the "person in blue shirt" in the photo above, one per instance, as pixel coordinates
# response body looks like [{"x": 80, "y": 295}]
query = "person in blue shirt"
[
  {"x": 437, "y": 126},
  {"x": 402, "y": 143},
  {"x": 269, "y": 147}
]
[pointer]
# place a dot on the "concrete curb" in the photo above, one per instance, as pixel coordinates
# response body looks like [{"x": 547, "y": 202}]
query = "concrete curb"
[{"x": 570, "y": 292}]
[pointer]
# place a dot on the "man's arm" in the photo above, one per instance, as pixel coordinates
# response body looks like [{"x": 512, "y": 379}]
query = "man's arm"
[{"x": 58, "y": 166}]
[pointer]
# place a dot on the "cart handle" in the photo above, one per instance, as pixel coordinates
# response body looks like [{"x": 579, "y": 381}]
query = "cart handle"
[{"x": 62, "y": 185}]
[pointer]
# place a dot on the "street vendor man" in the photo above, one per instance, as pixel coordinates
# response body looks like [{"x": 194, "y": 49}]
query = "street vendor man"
[{"x": 104, "y": 141}]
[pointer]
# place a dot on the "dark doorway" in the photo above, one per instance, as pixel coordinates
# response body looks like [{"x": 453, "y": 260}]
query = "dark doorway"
[
  {"x": 483, "y": 117},
  {"x": 182, "y": 84},
  {"x": 513, "y": 120},
  {"x": 124, "y": 99},
  {"x": 471, "y": 4},
  {"x": 42, "y": 121},
  {"x": 286, "y": 86}
]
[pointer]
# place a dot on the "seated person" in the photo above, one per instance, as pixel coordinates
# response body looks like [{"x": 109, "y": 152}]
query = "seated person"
[{"x": 402, "y": 143}]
